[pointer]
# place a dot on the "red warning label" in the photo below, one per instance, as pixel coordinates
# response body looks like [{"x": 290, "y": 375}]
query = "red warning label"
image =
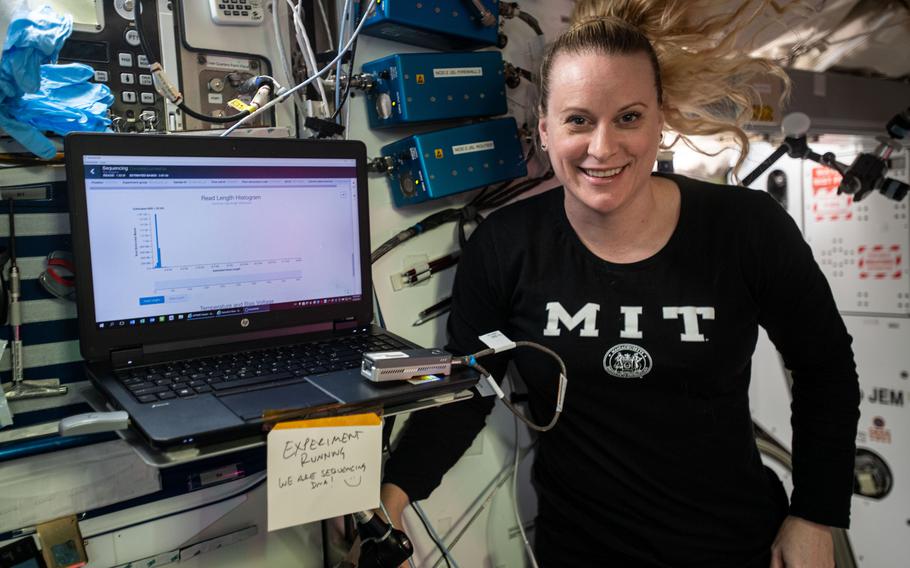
[
  {"x": 826, "y": 203},
  {"x": 880, "y": 262}
]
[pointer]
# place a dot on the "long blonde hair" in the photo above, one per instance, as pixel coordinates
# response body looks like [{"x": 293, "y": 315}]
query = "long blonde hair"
[{"x": 704, "y": 83}]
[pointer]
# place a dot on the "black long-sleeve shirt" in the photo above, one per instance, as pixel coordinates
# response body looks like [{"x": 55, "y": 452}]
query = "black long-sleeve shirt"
[{"x": 654, "y": 455}]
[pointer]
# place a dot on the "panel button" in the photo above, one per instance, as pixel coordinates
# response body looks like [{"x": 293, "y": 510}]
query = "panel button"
[
  {"x": 142, "y": 61},
  {"x": 147, "y": 98},
  {"x": 145, "y": 80},
  {"x": 127, "y": 78},
  {"x": 101, "y": 76},
  {"x": 132, "y": 37},
  {"x": 125, "y": 59},
  {"x": 128, "y": 96}
]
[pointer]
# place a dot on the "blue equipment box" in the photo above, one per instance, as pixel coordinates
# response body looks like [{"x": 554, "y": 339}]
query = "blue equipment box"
[
  {"x": 419, "y": 87},
  {"x": 445, "y": 162},
  {"x": 440, "y": 24}
]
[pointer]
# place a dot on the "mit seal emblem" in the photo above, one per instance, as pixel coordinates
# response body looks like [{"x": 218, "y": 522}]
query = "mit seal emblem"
[{"x": 627, "y": 361}]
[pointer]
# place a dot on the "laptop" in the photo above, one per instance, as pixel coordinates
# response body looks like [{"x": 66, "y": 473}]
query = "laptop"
[{"x": 221, "y": 280}]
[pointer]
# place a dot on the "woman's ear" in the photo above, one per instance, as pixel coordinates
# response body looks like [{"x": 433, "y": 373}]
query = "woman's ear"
[{"x": 542, "y": 127}]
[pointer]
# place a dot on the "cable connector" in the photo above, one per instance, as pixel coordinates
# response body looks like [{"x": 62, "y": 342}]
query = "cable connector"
[
  {"x": 514, "y": 74},
  {"x": 262, "y": 95},
  {"x": 486, "y": 17},
  {"x": 323, "y": 128},
  {"x": 254, "y": 84},
  {"x": 359, "y": 81},
  {"x": 382, "y": 165},
  {"x": 509, "y": 9},
  {"x": 163, "y": 86}
]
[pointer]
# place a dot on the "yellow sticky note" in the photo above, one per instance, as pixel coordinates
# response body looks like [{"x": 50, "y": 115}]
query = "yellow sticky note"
[{"x": 323, "y": 468}]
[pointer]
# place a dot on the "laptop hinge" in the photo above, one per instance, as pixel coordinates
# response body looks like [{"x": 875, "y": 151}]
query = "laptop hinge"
[
  {"x": 129, "y": 357},
  {"x": 347, "y": 323}
]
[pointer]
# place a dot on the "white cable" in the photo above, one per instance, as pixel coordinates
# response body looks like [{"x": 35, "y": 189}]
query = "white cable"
[
  {"x": 303, "y": 42},
  {"x": 480, "y": 503},
  {"x": 433, "y": 535},
  {"x": 521, "y": 528},
  {"x": 320, "y": 87},
  {"x": 279, "y": 45},
  {"x": 325, "y": 21},
  {"x": 296, "y": 88},
  {"x": 343, "y": 25},
  {"x": 285, "y": 63}
]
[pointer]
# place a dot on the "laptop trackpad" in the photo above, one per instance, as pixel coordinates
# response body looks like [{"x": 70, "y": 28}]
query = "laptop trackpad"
[{"x": 250, "y": 405}]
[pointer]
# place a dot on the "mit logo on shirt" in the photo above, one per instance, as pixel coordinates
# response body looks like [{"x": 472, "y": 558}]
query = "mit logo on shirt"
[{"x": 587, "y": 318}]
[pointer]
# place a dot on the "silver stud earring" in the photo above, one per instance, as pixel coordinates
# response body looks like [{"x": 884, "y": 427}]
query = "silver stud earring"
[{"x": 543, "y": 146}]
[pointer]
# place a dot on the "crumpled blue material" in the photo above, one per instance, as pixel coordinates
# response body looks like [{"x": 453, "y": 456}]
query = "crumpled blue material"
[{"x": 36, "y": 95}]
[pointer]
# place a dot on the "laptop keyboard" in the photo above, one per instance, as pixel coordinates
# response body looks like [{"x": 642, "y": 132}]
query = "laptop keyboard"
[{"x": 232, "y": 373}]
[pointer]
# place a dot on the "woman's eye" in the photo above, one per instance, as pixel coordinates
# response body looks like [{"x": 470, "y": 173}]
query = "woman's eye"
[
  {"x": 629, "y": 117},
  {"x": 576, "y": 120}
]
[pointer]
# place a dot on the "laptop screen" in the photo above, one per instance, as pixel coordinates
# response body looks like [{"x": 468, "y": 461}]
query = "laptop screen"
[{"x": 193, "y": 238}]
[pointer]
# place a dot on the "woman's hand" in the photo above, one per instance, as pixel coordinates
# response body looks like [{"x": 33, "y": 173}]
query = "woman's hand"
[{"x": 802, "y": 544}]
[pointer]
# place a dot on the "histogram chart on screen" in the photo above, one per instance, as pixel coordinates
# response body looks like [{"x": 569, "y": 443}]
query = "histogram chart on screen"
[
  {"x": 239, "y": 255},
  {"x": 191, "y": 245}
]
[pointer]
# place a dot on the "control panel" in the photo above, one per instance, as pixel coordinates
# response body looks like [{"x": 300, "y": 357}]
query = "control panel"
[
  {"x": 113, "y": 49},
  {"x": 236, "y": 12}
]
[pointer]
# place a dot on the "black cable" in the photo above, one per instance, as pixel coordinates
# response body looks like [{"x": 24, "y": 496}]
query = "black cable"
[
  {"x": 512, "y": 193},
  {"x": 482, "y": 192},
  {"x": 470, "y": 213},
  {"x": 146, "y": 50},
  {"x": 347, "y": 86},
  {"x": 500, "y": 198},
  {"x": 431, "y": 222},
  {"x": 213, "y": 119},
  {"x": 442, "y": 549},
  {"x": 143, "y": 43},
  {"x": 531, "y": 21}
]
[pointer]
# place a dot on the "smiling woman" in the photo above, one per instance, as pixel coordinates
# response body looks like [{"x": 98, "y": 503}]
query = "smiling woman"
[
  {"x": 652, "y": 288},
  {"x": 601, "y": 127},
  {"x": 705, "y": 83}
]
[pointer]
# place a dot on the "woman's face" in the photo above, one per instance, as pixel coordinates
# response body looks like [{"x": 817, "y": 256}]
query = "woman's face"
[{"x": 602, "y": 128}]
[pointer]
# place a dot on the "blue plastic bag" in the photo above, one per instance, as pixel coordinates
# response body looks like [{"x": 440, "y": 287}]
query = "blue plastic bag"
[{"x": 38, "y": 96}]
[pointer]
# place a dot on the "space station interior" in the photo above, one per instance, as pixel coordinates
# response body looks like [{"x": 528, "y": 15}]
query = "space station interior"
[{"x": 261, "y": 263}]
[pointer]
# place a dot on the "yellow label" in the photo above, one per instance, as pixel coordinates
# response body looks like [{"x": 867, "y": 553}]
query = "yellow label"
[
  {"x": 367, "y": 419},
  {"x": 239, "y": 105},
  {"x": 420, "y": 79},
  {"x": 438, "y": 153}
]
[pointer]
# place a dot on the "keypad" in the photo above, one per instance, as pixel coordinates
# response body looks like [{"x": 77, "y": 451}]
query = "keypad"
[{"x": 235, "y": 372}]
